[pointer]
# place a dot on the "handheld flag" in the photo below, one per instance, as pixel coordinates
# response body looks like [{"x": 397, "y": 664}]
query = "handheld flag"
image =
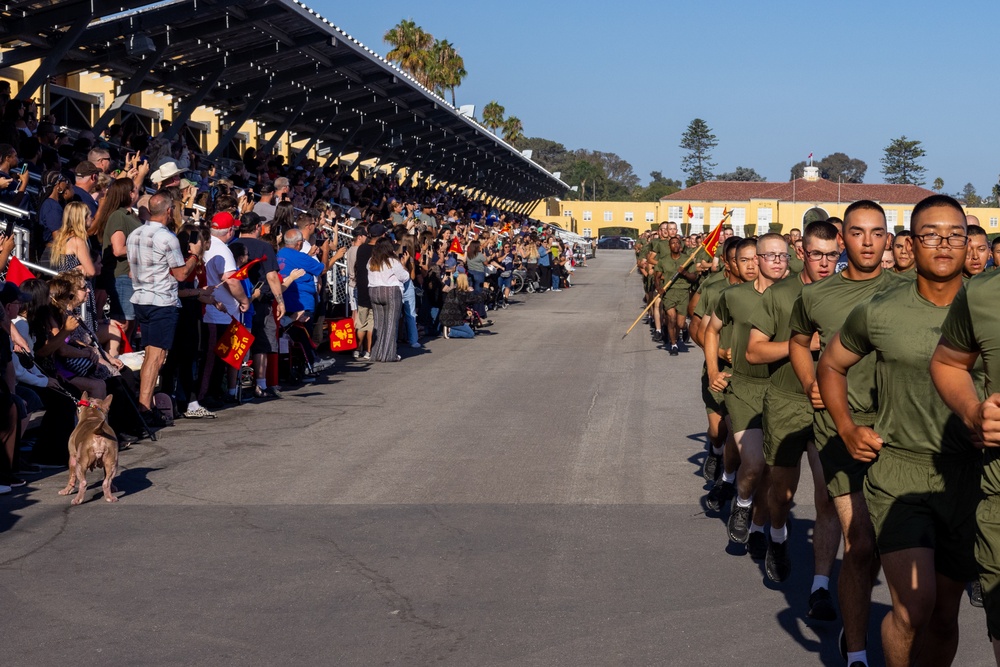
[
  {"x": 455, "y": 247},
  {"x": 690, "y": 212},
  {"x": 234, "y": 344},
  {"x": 243, "y": 272},
  {"x": 709, "y": 245},
  {"x": 17, "y": 272}
]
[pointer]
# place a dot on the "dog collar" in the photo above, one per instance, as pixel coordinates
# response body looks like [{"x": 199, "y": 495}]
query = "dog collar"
[{"x": 89, "y": 404}]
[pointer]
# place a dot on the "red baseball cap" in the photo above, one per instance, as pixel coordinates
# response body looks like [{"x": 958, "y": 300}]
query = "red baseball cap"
[{"x": 224, "y": 220}]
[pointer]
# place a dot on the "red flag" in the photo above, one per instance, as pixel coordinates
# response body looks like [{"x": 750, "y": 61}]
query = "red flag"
[
  {"x": 17, "y": 272},
  {"x": 234, "y": 344},
  {"x": 455, "y": 247},
  {"x": 711, "y": 242},
  {"x": 245, "y": 270},
  {"x": 690, "y": 211},
  {"x": 342, "y": 338}
]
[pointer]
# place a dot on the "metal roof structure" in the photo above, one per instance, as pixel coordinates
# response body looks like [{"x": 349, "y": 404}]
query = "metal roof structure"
[{"x": 276, "y": 62}]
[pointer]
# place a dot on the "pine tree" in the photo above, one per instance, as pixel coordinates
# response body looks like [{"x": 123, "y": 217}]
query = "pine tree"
[
  {"x": 899, "y": 164},
  {"x": 699, "y": 141}
]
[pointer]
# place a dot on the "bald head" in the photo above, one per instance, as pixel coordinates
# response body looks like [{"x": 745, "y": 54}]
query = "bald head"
[
  {"x": 160, "y": 206},
  {"x": 293, "y": 237},
  {"x": 972, "y": 220}
]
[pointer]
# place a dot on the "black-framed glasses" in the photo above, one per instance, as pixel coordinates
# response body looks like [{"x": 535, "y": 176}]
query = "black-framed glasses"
[
  {"x": 816, "y": 255},
  {"x": 933, "y": 240},
  {"x": 774, "y": 256}
]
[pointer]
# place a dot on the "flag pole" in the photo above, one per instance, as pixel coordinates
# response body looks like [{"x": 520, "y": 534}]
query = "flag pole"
[{"x": 660, "y": 292}]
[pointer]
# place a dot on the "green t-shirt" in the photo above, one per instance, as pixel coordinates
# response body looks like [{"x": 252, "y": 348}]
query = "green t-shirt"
[
  {"x": 668, "y": 266},
  {"x": 119, "y": 221},
  {"x": 823, "y": 306},
  {"x": 771, "y": 318},
  {"x": 902, "y": 328},
  {"x": 660, "y": 246},
  {"x": 973, "y": 325},
  {"x": 710, "y": 291},
  {"x": 795, "y": 265},
  {"x": 736, "y": 305}
]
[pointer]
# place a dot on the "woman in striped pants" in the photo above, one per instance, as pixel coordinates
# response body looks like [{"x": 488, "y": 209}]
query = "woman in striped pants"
[{"x": 386, "y": 276}]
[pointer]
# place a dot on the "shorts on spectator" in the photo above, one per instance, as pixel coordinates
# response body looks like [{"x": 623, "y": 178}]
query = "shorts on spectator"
[
  {"x": 264, "y": 329},
  {"x": 352, "y": 298},
  {"x": 365, "y": 319},
  {"x": 158, "y": 325},
  {"x": 120, "y": 299}
]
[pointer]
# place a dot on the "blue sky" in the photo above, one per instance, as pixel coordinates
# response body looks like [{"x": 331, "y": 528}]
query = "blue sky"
[{"x": 774, "y": 80}]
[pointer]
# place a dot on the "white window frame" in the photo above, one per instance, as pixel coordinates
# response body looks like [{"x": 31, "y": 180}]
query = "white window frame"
[
  {"x": 567, "y": 213},
  {"x": 993, "y": 222},
  {"x": 609, "y": 216},
  {"x": 675, "y": 214},
  {"x": 765, "y": 215},
  {"x": 906, "y": 218},
  {"x": 588, "y": 216},
  {"x": 650, "y": 217},
  {"x": 698, "y": 221},
  {"x": 890, "y": 219},
  {"x": 629, "y": 216},
  {"x": 738, "y": 220}
]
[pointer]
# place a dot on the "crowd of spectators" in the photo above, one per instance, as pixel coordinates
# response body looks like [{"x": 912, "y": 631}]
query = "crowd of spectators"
[{"x": 157, "y": 252}]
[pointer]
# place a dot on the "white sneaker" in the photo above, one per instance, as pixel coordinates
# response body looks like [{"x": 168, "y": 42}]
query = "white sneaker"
[
  {"x": 367, "y": 356},
  {"x": 357, "y": 354}
]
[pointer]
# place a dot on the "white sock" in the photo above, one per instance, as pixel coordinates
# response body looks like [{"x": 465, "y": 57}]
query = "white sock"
[
  {"x": 820, "y": 581},
  {"x": 193, "y": 405},
  {"x": 262, "y": 383},
  {"x": 718, "y": 450},
  {"x": 658, "y": 331},
  {"x": 857, "y": 656},
  {"x": 754, "y": 528},
  {"x": 728, "y": 476},
  {"x": 740, "y": 502},
  {"x": 779, "y": 535}
]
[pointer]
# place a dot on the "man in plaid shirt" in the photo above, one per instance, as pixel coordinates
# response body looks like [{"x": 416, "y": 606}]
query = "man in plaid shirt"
[{"x": 157, "y": 264}]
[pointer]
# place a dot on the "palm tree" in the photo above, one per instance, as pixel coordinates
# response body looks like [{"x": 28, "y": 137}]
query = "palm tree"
[
  {"x": 410, "y": 48},
  {"x": 493, "y": 116},
  {"x": 445, "y": 69},
  {"x": 513, "y": 130}
]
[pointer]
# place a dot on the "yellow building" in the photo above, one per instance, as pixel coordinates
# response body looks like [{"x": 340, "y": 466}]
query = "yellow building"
[{"x": 756, "y": 207}]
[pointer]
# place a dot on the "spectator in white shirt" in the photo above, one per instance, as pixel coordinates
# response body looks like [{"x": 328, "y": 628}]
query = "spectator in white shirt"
[{"x": 386, "y": 276}]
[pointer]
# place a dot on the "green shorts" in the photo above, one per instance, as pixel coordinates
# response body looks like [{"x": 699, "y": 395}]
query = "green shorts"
[
  {"x": 714, "y": 400},
  {"x": 676, "y": 299},
  {"x": 844, "y": 474},
  {"x": 745, "y": 402},
  {"x": 788, "y": 427},
  {"x": 988, "y": 559},
  {"x": 924, "y": 501}
]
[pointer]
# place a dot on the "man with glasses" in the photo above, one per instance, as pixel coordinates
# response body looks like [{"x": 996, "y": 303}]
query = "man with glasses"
[
  {"x": 745, "y": 389},
  {"x": 821, "y": 309},
  {"x": 100, "y": 158},
  {"x": 922, "y": 486},
  {"x": 788, "y": 422}
]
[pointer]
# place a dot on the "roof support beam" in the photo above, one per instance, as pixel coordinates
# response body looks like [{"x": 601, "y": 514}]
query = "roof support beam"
[
  {"x": 128, "y": 88},
  {"x": 190, "y": 104},
  {"x": 235, "y": 124},
  {"x": 292, "y": 117},
  {"x": 48, "y": 66},
  {"x": 312, "y": 142}
]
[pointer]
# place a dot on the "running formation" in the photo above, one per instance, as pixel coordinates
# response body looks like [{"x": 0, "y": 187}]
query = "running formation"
[{"x": 876, "y": 373}]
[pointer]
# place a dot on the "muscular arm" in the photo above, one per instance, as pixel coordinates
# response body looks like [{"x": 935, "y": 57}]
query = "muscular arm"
[
  {"x": 274, "y": 281},
  {"x": 801, "y": 358},
  {"x": 717, "y": 379},
  {"x": 762, "y": 350},
  {"x": 951, "y": 372},
  {"x": 831, "y": 374}
]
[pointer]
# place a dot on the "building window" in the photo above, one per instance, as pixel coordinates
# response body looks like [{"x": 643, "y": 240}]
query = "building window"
[
  {"x": 567, "y": 213},
  {"x": 993, "y": 222},
  {"x": 890, "y": 219},
  {"x": 587, "y": 232},
  {"x": 608, "y": 217},
  {"x": 674, "y": 214},
  {"x": 763, "y": 220},
  {"x": 715, "y": 216},
  {"x": 650, "y": 216},
  {"x": 628, "y": 216},
  {"x": 738, "y": 219},
  {"x": 906, "y": 219},
  {"x": 587, "y": 216}
]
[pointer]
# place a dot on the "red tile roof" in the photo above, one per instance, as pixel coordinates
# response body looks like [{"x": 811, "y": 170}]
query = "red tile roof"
[{"x": 821, "y": 191}]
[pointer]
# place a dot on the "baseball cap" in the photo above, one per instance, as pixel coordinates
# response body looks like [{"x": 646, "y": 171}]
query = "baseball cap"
[
  {"x": 86, "y": 168},
  {"x": 224, "y": 220},
  {"x": 9, "y": 293},
  {"x": 450, "y": 263},
  {"x": 378, "y": 229}
]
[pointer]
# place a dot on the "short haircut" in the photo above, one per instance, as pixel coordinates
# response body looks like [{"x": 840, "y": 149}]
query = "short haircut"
[
  {"x": 862, "y": 205},
  {"x": 249, "y": 222},
  {"x": 746, "y": 243},
  {"x": 934, "y": 201},
  {"x": 904, "y": 234},
  {"x": 976, "y": 230},
  {"x": 729, "y": 246},
  {"x": 280, "y": 183},
  {"x": 821, "y": 230},
  {"x": 995, "y": 244},
  {"x": 160, "y": 203},
  {"x": 293, "y": 236},
  {"x": 771, "y": 236}
]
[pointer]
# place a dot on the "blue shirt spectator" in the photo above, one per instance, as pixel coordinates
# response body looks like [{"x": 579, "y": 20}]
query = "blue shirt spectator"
[{"x": 301, "y": 294}]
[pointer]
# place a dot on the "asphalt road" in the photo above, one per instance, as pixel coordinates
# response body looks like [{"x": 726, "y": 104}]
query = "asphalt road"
[{"x": 526, "y": 498}]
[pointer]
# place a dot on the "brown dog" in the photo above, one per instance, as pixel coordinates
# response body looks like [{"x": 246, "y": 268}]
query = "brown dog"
[{"x": 92, "y": 444}]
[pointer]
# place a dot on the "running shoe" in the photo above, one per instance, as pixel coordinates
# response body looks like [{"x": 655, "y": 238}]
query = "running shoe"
[
  {"x": 712, "y": 467},
  {"x": 777, "y": 564},
  {"x": 367, "y": 356},
  {"x": 657, "y": 336},
  {"x": 674, "y": 351},
  {"x": 685, "y": 335},
  {"x": 720, "y": 494},
  {"x": 199, "y": 413},
  {"x": 739, "y": 523},
  {"x": 757, "y": 545},
  {"x": 821, "y": 606}
]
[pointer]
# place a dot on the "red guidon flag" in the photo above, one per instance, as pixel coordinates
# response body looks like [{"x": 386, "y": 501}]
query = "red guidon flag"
[
  {"x": 690, "y": 211},
  {"x": 17, "y": 272},
  {"x": 243, "y": 272},
  {"x": 455, "y": 247},
  {"x": 711, "y": 242},
  {"x": 234, "y": 344},
  {"x": 342, "y": 337}
]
